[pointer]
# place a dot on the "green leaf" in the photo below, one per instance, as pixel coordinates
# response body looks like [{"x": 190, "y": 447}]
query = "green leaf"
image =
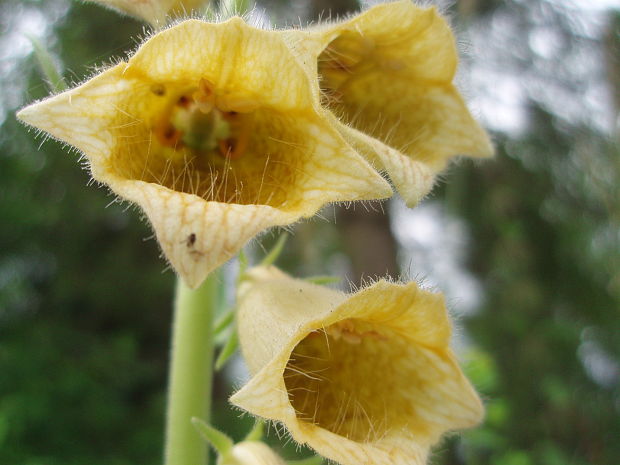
[
  {"x": 224, "y": 321},
  {"x": 218, "y": 440},
  {"x": 322, "y": 279},
  {"x": 275, "y": 252},
  {"x": 232, "y": 344},
  {"x": 243, "y": 263},
  {"x": 54, "y": 79},
  {"x": 256, "y": 433},
  {"x": 234, "y": 7}
]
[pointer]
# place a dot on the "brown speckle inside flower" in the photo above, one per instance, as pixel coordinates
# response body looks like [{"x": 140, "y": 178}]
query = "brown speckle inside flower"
[{"x": 230, "y": 150}]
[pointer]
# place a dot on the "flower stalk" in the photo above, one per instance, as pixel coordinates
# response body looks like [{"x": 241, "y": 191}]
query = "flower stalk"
[{"x": 189, "y": 390}]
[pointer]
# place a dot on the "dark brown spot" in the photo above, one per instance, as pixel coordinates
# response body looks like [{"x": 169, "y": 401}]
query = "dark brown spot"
[
  {"x": 170, "y": 132},
  {"x": 158, "y": 89}
]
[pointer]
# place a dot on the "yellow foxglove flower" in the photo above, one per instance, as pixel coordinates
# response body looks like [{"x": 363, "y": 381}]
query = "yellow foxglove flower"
[
  {"x": 155, "y": 11},
  {"x": 367, "y": 378},
  {"x": 388, "y": 73},
  {"x": 213, "y": 130},
  {"x": 251, "y": 453}
]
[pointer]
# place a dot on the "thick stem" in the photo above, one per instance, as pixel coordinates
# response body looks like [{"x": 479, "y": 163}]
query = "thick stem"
[{"x": 191, "y": 370}]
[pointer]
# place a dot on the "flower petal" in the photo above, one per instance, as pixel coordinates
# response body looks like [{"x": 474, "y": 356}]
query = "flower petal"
[
  {"x": 365, "y": 378},
  {"x": 412, "y": 178}
]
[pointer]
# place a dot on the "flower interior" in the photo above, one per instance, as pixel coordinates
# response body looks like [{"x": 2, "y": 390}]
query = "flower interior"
[
  {"x": 367, "y": 84},
  {"x": 363, "y": 380},
  {"x": 191, "y": 138}
]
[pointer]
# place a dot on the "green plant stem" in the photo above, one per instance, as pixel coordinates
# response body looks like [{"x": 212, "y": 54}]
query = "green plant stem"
[{"x": 191, "y": 371}]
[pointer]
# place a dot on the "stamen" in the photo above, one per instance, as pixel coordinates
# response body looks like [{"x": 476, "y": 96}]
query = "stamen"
[
  {"x": 209, "y": 125},
  {"x": 204, "y": 97}
]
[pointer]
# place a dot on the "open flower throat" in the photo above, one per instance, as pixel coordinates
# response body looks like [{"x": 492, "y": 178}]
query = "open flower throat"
[
  {"x": 195, "y": 122},
  {"x": 365, "y": 83},
  {"x": 360, "y": 380},
  {"x": 344, "y": 60},
  {"x": 203, "y": 141}
]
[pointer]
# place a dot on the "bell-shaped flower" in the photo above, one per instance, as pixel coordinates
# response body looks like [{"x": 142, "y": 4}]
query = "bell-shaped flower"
[
  {"x": 367, "y": 378},
  {"x": 388, "y": 73},
  {"x": 213, "y": 130},
  {"x": 156, "y": 11}
]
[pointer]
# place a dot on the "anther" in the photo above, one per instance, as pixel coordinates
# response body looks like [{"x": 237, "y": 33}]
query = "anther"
[
  {"x": 204, "y": 97},
  {"x": 229, "y": 148}
]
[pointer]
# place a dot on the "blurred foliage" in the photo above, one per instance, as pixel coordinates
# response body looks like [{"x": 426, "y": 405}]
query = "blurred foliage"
[
  {"x": 84, "y": 313},
  {"x": 551, "y": 302}
]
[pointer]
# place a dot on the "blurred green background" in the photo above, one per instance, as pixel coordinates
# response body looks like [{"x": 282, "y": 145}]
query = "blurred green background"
[{"x": 526, "y": 246}]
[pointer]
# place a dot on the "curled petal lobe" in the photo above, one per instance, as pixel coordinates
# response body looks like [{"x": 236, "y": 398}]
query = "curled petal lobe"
[
  {"x": 361, "y": 378},
  {"x": 212, "y": 130},
  {"x": 389, "y": 73}
]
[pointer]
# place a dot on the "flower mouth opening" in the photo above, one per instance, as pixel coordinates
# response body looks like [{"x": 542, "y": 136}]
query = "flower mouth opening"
[
  {"x": 354, "y": 378},
  {"x": 358, "y": 74},
  {"x": 219, "y": 146},
  {"x": 341, "y": 64}
]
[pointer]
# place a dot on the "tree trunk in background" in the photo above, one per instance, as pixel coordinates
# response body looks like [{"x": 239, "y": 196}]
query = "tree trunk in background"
[
  {"x": 367, "y": 239},
  {"x": 612, "y": 48},
  {"x": 332, "y": 8}
]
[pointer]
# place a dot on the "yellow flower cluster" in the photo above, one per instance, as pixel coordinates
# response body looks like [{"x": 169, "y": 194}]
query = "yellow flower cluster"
[{"x": 219, "y": 131}]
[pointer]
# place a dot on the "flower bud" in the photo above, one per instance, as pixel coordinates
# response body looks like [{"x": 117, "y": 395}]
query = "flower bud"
[{"x": 251, "y": 453}]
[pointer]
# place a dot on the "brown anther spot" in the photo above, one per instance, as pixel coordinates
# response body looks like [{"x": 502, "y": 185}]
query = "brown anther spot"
[
  {"x": 169, "y": 136},
  {"x": 158, "y": 89},
  {"x": 170, "y": 133},
  {"x": 183, "y": 101},
  {"x": 191, "y": 240},
  {"x": 227, "y": 148}
]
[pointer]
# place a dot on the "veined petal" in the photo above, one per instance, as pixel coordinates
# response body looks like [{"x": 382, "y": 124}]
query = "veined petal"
[
  {"x": 155, "y": 11},
  {"x": 212, "y": 130},
  {"x": 388, "y": 73},
  {"x": 413, "y": 179},
  {"x": 361, "y": 378}
]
